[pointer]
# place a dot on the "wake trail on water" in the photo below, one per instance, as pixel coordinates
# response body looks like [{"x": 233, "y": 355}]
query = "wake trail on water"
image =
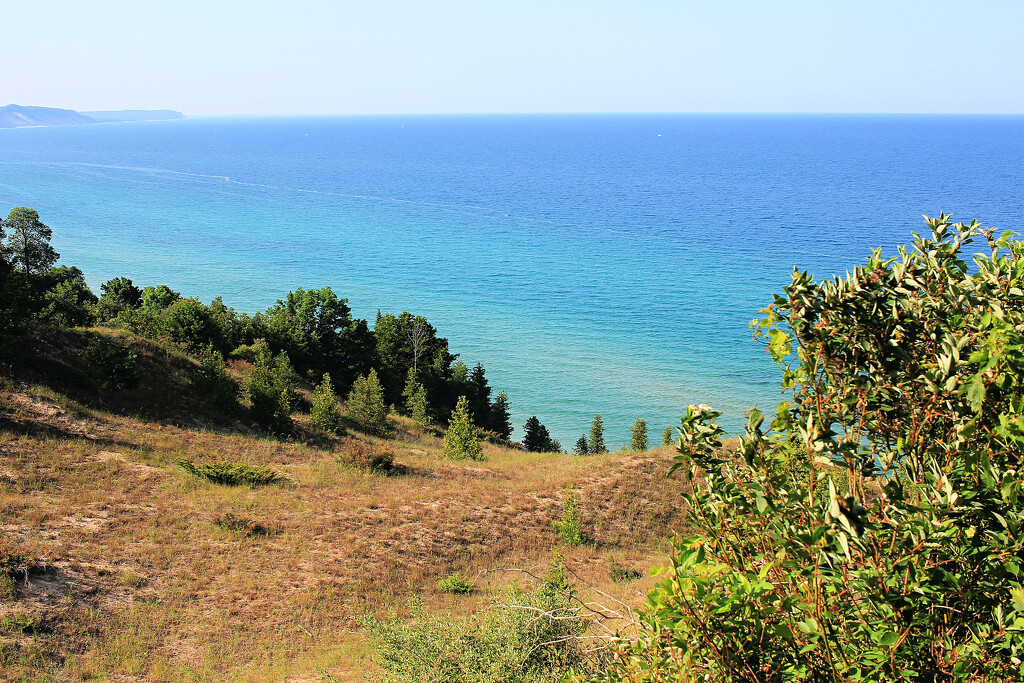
[{"x": 463, "y": 209}]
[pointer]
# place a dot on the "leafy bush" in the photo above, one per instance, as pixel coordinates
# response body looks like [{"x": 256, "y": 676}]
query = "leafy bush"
[
  {"x": 523, "y": 637},
  {"x": 190, "y": 323},
  {"x": 365, "y": 405},
  {"x": 232, "y": 474},
  {"x": 117, "y": 366},
  {"x": 269, "y": 389},
  {"x": 907, "y": 375},
  {"x": 212, "y": 382},
  {"x": 454, "y": 583},
  {"x": 376, "y": 457},
  {"x": 569, "y": 529},
  {"x": 324, "y": 415},
  {"x": 460, "y": 440}
]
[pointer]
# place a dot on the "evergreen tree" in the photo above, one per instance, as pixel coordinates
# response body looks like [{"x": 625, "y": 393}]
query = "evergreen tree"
[
  {"x": 638, "y": 435},
  {"x": 668, "y": 436},
  {"x": 536, "y": 437},
  {"x": 324, "y": 414},
  {"x": 460, "y": 440},
  {"x": 29, "y": 242},
  {"x": 501, "y": 416},
  {"x": 597, "y": 436},
  {"x": 418, "y": 406},
  {"x": 415, "y": 395},
  {"x": 581, "y": 447},
  {"x": 365, "y": 405},
  {"x": 480, "y": 396}
]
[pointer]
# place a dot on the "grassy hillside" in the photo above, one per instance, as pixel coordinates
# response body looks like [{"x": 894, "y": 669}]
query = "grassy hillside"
[{"x": 120, "y": 565}]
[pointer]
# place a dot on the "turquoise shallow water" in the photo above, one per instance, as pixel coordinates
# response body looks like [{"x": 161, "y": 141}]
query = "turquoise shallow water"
[{"x": 593, "y": 264}]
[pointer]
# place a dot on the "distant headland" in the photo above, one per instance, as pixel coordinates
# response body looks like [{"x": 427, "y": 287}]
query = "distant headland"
[{"x": 17, "y": 116}]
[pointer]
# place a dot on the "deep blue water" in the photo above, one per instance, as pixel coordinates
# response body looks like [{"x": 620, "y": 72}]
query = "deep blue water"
[{"x": 593, "y": 264}]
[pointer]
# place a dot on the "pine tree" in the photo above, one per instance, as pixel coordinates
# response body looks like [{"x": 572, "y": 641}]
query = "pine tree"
[
  {"x": 581, "y": 447},
  {"x": 460, "y": 441},
  {"x": 638, "y": 435},
  {"x": 501, "y": 416},
  {"x": 536, "y": 437},
  {"x": 668, "y": 436},
  {"x": 365, "y": 405},
  {"x": 325, "y": 415},
  {"x": 597, "y": 436},
  {"x": 418, "y": 407}
]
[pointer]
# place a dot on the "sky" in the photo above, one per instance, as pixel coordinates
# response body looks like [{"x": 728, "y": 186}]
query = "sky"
[{"x": 253, "y": 57}]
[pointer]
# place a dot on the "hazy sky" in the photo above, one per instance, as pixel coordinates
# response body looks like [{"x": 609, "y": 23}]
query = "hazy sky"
[{"x": 395, "y": 56}]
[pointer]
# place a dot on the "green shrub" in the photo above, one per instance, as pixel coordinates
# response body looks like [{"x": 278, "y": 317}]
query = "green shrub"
[
  {"x": 324, "y": 414},
  {"x": 190, "y": 323},
  {"x": 522, "y": 637},
  {"x": 232, "y": 474},
  {"x": 569, "y": 529},
  {"x": 581, "y": 447},
  {"x": 212, "y": 382},
  {"x": 140, "y": 321},
  {"x": 269, "y": 390},
  {"x": 596, "y": 440},
  {"x": 116, "y": 366},
  {"x": 454, "y": 583},
  {"x": 365, "y": 405},
  {"x": 460, "y": 440},
  {"x": 668, "y": 437},
  {"x": 908, "y": 375}
]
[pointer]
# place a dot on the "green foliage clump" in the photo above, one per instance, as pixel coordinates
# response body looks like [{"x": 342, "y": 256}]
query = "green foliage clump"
[
  {"x": 460, "y": 440},
  {"x": 908, "y": 375},
  {"x": 365, "y": 405},
  {"x": 638, "y": 435},
  {"x": 454, "y": 583},
  {"x": 415, "y": 395},
  {"x": 116, "y": 366},
  {"x": 118, "y": 294},
  {"x": 522, "y": 637},
  {"x": 212, "y": 382},
  {"x": 67, "y": 300},
  {"x": 190, "y": 323},
  {"x": 324, "y": 415},
  {"x": 536, "y": 438},
  {"x": 596, "y": 440},
  {"x": 28, "y": 242},
  {"x": 269, "y": 390},
  {"x": 581, "y": 447},
  {"x": 232, "y": 474},
  {"x": 569, "y": 529},
  {"x": 668, "y": 437}
]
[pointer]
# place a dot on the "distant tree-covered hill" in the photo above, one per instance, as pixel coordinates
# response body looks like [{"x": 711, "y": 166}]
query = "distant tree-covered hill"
[{"x": 17, "y": 116}]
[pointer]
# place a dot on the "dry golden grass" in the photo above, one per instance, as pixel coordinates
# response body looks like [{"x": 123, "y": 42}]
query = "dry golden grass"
[{"x": 135, "y": 580}]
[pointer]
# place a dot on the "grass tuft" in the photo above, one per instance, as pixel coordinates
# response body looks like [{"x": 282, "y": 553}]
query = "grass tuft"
[{"x": 454, "y": 583}]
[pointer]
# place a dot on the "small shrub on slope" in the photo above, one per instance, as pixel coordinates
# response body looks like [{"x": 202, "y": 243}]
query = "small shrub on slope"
[
  {"x": 232, "y": 474},
  {"x": 522, "y": 637},
  {"x": 569, "y": 529},
  {"x": 365, "y": 405},
  {"x": 460, "y": 441},
  {"x": 324, "y": 415},
  {"x": 454, "y": 583}
]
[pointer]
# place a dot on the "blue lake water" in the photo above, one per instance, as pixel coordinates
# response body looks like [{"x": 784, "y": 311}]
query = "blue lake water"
[{"x": 593, "y": 264}]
